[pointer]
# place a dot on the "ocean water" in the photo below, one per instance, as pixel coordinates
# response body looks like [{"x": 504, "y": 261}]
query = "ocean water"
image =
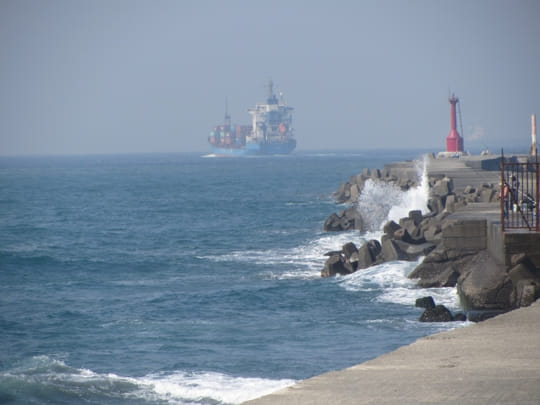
[{"x": 189, "y": 279}]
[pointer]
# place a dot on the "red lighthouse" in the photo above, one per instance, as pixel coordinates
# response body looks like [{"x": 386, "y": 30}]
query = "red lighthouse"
[{"x": 454, "y": 142}]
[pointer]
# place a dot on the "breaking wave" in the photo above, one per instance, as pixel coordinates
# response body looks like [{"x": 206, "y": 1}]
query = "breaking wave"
[
  {"x": 299, "y": 262},
  {"x": 393, "y": 286},
  {"x": 380, "y": 201},
  {"x": 42, "y": 378}
]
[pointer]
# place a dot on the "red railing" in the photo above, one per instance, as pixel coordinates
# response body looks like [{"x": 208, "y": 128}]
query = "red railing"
[{"x": 519, "y": 195}]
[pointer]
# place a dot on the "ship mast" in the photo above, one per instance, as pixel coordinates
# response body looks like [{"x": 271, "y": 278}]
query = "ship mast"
[
  {"x": 271, "y": 97},
  {"x": 227, "y": 119}
]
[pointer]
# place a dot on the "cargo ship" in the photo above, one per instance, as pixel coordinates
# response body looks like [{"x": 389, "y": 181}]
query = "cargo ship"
[{"x": 270, "y": 132}]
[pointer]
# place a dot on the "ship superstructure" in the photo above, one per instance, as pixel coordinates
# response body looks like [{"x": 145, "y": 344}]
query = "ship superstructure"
[{"x": 270, "y": 132}]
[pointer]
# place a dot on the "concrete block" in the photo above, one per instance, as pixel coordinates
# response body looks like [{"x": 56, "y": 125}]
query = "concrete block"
[
  {"x": 527, "y": 243},
  {"x": 465, "y": 243},
  {"x": 465, "y": 228}
]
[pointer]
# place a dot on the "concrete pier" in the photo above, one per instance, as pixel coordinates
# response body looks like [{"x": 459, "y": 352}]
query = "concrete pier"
[{"x": 492, "y": 362}]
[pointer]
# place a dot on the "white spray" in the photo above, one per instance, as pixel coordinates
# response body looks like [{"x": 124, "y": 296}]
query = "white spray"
[{"x": 380, "y": 201}]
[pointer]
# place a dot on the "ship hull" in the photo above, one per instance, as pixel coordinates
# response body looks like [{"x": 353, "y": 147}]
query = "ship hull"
[{"x": 257, "y": 149}]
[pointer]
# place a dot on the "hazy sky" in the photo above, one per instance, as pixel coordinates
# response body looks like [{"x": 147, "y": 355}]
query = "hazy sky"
[{"x": 152, "y": 76}]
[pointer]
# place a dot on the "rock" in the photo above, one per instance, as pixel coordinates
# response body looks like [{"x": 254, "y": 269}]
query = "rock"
[
  {"x": 522, "y": 258},
  {"x": 450, "y": 203},
  {"x": 430, "y": 234},
  {"x": 416, "y": 216},
  {"x": 332, "y": 223},
  {"x": 398, "y": 250},
  {"x": 390, "y": 227},
  {"x": 354, "y": 192},
  {"x": 334, "y": 265},
  {"x": 460, "y": 317},
  {"x": 374, "y": 247},
  {"x": 350, "y": 259},
  {"x": 441, "y": 267},
  {"x": 403, "y": 235},
  {"x": 367, "y": 254},
  {"x": 526, "y": 293},
  {"x": 425, "y": 302},
  {"x": 479, "y": 316},
  {"x": 364, "y": 258},
  {"x": 442, "y": 187},
  {"x": 343, "y": 193},
  {"x": 394, "y": 250},
  {"x": 348, "y": 249},
  {"x": 525, "y": 280},
  {"x": 350, "y": 267},
  {"x": 408, "y": 224},
  {"x": 435, "y": 204},
  {"x": 346, "y": 220},
  {"x": 358, "y": 179},
  {"x": 419, "y": 249},
  {"x": 483, "y": 284},
  {"x": 354, "y": 219},
  {"x": 332, "y": 253},
  {"x": 437, "y": 314},
  {"x": 524, "y": 270}
]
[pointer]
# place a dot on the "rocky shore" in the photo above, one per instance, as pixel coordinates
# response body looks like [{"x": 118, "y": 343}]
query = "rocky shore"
[{"x": 454, "y": 249}]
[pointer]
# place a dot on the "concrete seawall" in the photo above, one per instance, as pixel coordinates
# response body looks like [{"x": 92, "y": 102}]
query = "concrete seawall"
[{"x": 492, "y": 362}]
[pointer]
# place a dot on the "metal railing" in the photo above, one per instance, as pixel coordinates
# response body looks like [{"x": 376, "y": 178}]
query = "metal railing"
[{"x": 519, "y": 195}]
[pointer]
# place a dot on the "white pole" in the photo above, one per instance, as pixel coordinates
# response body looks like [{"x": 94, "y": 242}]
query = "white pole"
[{"x": 533, "y": 135}]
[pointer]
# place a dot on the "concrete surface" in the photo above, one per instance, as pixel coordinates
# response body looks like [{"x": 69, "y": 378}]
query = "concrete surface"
[
  {"x": 493, "y": 362},
  {"x": 462, "y": 174}
]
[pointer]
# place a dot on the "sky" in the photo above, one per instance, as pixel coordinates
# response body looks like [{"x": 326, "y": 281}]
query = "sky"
[{"x": 92, "y": 77}]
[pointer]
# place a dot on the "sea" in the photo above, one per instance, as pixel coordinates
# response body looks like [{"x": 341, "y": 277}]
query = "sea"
[{"x": 192, "y": 279}]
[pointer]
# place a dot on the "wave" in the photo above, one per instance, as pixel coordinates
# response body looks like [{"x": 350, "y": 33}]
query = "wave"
[
  {"x": 299, "y": 262},
  {"x": 43, "y": 379},
  {"x": 391, "y": 281}
]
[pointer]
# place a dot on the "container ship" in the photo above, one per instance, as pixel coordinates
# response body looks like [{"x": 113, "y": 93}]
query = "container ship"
[{"x": 270, "y": 132}]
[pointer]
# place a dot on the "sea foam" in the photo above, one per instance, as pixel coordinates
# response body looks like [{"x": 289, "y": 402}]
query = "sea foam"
[{"x": 48, "y": 377}]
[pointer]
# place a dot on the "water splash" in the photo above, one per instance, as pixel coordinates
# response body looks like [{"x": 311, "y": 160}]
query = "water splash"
[
  {"x": 380, "y": 201},
  {"x": 415, "y": 198}
]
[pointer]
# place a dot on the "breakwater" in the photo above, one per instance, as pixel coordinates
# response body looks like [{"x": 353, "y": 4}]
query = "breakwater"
[
  {"x": 459, "y": 233},
  {"x": 489, "y": 362}
]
